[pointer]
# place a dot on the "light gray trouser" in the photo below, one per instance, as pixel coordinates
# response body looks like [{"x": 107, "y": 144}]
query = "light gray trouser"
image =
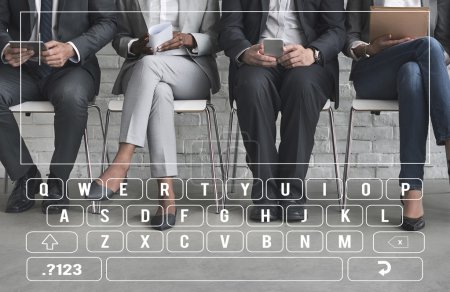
[{"x": 150, "y": 89}]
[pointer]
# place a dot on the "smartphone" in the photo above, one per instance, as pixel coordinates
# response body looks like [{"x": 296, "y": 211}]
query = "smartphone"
[
  {"x": 30, "y": 45},
  {"x": 273, "y": 47}
]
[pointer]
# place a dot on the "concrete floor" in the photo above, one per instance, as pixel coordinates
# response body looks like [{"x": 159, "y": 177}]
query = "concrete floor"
[{"x": 279, "y": 265}]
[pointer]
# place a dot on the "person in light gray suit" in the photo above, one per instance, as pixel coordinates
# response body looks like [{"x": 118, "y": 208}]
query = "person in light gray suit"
[
  {"x": 182, "y": 68},
  {"x": 408, "y": 70}
]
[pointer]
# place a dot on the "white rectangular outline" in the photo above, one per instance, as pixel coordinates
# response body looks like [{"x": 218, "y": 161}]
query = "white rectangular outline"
[
  {"x": 179, "y": 207},
  {"x": 147, "y": 194},
  {"x": 219, "y": 183},
  {"x": 182, "y": 231},
  {"x": 104, "y": 207},
  {"x": 142, "y": 224},
  {"x": 345, "y": 251},
  {"x": 50, "y": 233},
  {"x": 284, "y": 199},
  {"x": 68, "y": 207},
  {"x": 341, "y": 184},
  {"x": 369, "y": 179},
  {"x": 340, "y": 211},
  {"x": 260, "y": 224},
  {"x": 398, "y": 197},
  {"x": 297, "y": 224},
  {"x": 405, "y": 233},
  {"x": 88, "y": 181},
  {"x": 305, "y": 231},
  {"x": 125, "y": 180},
  {"x": 105, "y": 251},
  {"x": 265, "y": 251},
  {"x": 348, "y": 263},
  {"x": 228, "y": 257},
  {"x": 384, "y": 226},
  {"x": 250, "y": 179},
  {"x": 208, "y": 214},
  {"x": 226, "y": 251},
  {"x": 97, "y": 258},
  {"x": 145, "y": 231},
  {"x": 42, "y": 182}
]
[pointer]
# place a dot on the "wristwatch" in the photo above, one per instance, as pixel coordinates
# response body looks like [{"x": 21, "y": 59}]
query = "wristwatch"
[{"x": 318, "y": 58}]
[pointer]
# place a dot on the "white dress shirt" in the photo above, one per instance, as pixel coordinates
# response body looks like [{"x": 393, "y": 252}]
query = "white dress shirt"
[{"x": 35, "y": 30}]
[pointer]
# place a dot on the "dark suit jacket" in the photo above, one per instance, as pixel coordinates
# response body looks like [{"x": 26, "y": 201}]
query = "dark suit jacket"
[
  {"x": 357, "y": 24},
  {"x": 89, "y": 32},
  {"x": 324, "y": 30}
]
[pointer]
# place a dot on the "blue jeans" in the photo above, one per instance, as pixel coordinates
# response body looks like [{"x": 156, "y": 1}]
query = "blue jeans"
[{"x": 408, "y": 72}]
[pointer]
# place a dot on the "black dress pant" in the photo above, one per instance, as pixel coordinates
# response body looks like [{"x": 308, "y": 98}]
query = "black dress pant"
[
  {"x": 69, "y": 90},
  {"x": 299, "y": 94}
]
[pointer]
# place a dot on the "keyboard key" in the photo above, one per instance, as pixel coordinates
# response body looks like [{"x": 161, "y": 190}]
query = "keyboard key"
[
  {"x": 131, "y": 189},
  {"x": 308, "y": 241},
  {"x": 364, "y": 189},
  {"x": 72, "y": 216},
  {"x": 394, "y": 189},
  {"x": 265, "y": 241},
  {"x": 142, "y": 241},
  {"x": 64, "y": 269},
  {"x": 290, "y": 188},
  {"x": 240, "y": 189},
  {"x": 323, "y": 189},
  {"x": 351, "y": 216},
  {"x": 77, "y": 189},
  {"x": 51, "y": 242},
  {"x": 141, "y": 215},
  {"x": 385, "y": 269},
  {"x": 104, "y": 241},
  {"x": 189, "y": 241},
  {"x": 265, "y": 220},
  {"x": 225, "y": 241},
  {"x": 190, "y": 216},
  {"x": 42, "y": 193},
  {"x": 384, "y": 215},
  {"x": 313, "y": 217},
  {"x": 232, "y": 216},
  {"x": 204, "y": 189},
  {"x": 345, "y": 241},
  {"x": 155, "y": 193},
  {"x": 398, "y": 242},
  {"x": 109, "y": 216}
]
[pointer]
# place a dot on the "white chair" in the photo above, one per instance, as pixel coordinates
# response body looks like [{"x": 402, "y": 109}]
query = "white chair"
[
  {"x": 45, "y": 107},
  {"x": 373, "y": 106},
  {"x": 180, "y": 107},
  {"x": 327, "y": 108}
]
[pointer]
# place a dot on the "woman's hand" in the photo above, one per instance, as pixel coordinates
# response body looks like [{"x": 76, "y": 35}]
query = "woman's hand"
[
  {"x": 384, "y": 42},
  {"x": 139, "y": 47},
  {"x": 179, "y": 40}
]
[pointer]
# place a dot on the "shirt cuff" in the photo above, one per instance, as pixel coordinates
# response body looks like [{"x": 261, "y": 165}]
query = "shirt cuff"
[
  {"x": 3, "y": 54},
  {"x": 129, "y": 47},
  {"x": 239, "y": 63},
  {"x": 354, "y": 45},
  {"x": 77, "y": 58},
  {"x": 447, "y": 58}
]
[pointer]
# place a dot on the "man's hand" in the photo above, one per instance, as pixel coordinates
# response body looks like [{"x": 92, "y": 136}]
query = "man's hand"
[
  {"x": 57, "y": 54},
  {"x": 179, "y": 40},
  {"x": 254, "y": 56},
  {"x": 139, "y": 47},
  {"x": 18, "y": 56},
  {"x": 384, "y": 42},
  {"x": 296, "y": 56}
]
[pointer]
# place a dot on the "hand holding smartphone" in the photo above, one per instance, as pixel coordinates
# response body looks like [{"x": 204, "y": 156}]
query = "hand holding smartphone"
[{"x": 273, "y": 47}]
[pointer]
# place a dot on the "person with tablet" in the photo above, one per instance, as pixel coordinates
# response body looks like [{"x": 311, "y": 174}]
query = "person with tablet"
[
  {"x": 406, "y": 69},
  {"x": 295, "y": 80},
  {"x": 151, "y": 78},
  {"x": 65, "y": 72}
]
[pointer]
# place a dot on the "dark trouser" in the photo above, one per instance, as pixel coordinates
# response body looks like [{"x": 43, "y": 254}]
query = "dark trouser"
[
  {"x": 299, "y": 94},
  {"x": 69, "y": 90},
  {"x": 407, "y": 72}
]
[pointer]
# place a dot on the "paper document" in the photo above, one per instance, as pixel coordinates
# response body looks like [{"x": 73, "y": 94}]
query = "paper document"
[{"x": 160, "y": 34}]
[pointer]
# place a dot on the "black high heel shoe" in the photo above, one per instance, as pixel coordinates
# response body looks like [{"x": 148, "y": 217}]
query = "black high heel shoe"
[
  {"x": 160, "y": 223},
  {"x": 412, "y": 224},
  {"x": 99, "y": 192}
]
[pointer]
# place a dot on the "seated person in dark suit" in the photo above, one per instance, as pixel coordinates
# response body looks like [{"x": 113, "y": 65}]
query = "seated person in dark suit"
[
  {"x": 297, "y": 85},
  {"x": 69, "y": 78}
]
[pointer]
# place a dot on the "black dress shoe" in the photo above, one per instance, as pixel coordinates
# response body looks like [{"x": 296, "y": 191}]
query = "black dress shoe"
[
  {"x": 55, "y": 202},
  {"x": 413, "y": 224},
  {"x": 19, "y": 202},
  {"x": 160, "y": 223},
  {"x": 293, "y": 211},
  {"x": 256, "y": 214}
]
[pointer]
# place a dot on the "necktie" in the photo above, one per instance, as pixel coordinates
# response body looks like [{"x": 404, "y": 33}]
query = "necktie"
[{"x": 46, "y": 31}]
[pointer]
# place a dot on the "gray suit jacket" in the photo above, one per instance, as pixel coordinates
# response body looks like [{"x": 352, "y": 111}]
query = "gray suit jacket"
[
  {"x": 202, "y": 25},
  {"x": 358, "y": 23},
  {"x": 88, "y": 31}
]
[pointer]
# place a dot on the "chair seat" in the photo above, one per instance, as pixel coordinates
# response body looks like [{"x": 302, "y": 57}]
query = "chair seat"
[
  {"x": 180, "y": 106},
  {"x": 325, "y": 108},
  {"x": 375, "y": 105},
  {"x": 33, "y": 107}
]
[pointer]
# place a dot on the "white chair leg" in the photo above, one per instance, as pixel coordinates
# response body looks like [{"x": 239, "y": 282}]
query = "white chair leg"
[
  {"x": 105, "y": 141},
  {"x": 213, "y": 166},
  {"x": 230, "y": 134},
  {"x": 95, "y": 204},
  {"x": 219, "y": 149},
  {"x": 347, "y": 157},
  {"x": 335, "y": 155},
  {"x": 6, "y": 182}
]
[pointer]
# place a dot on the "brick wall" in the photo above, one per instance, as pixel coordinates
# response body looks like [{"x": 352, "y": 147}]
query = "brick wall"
[{"x": 376, "y": 138}]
